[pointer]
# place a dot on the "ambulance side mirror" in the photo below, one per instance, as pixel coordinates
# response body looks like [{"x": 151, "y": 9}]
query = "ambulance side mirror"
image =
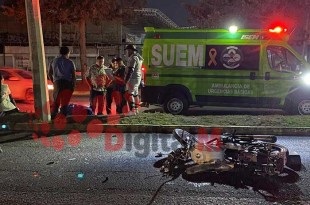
[
  {"x": 252, "y": 76},
  {"x": 299, "y": 67}
]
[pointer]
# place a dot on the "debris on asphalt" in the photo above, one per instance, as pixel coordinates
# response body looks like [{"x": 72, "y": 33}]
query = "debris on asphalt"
[
  {"x": 159, "y": 154},
  {"x": 36, "y": 174},
  {"x": 72, "y": 159},
  {"x": 50, "y": 163},
  {"x": 1, "y": 150},
  {"x": 106, "y": 179},
  {"x": 80, "y": 175}
]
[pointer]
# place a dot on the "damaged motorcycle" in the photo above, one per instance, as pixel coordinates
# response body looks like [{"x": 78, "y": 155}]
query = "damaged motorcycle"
[{"x": 258, "y": 154}]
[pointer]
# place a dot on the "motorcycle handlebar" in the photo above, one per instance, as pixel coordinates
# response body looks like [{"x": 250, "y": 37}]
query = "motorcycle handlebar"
[
  {"x": 185, "y": 138},
  {"x": 265, "y": 138}
]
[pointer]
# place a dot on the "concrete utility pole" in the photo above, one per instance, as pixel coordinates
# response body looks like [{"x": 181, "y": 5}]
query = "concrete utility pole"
[
  {"x": 306, "y": 35},
  {"x": 36, "y": 45}
]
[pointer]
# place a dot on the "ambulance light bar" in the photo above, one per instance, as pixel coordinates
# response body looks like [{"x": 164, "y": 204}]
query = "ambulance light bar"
[{"x": 277, "y": 29}]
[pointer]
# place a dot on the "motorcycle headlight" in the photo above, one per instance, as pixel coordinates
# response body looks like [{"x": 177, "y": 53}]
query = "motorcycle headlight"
[{"x": 306, "y": 78}]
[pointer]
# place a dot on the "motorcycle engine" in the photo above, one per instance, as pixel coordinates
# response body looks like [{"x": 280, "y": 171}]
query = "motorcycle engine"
[
  {"x": 264, "y": 158},
  {"x": 206, "y": 154}
]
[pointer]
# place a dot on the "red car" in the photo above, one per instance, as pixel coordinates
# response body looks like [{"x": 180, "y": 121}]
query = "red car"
[{"x": 20, "y": 83}]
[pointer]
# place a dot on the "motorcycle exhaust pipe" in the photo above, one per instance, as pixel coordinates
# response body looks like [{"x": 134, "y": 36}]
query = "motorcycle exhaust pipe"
[{"x": 221, "y": 167}]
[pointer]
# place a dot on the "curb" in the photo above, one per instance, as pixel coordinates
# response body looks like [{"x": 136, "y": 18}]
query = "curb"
[
  {"x": 51, "y": 129},
  {"x": 93, "y": 124}
]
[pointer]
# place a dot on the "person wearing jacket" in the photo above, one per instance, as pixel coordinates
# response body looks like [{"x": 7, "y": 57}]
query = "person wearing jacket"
[
  {"x": 7, "y": 103},
  {"x": 116, "y": 90},
  {"x": 98, "y": 82},
  {"x": 62, "y": 73},
  {"x": 120, "y": 86}
]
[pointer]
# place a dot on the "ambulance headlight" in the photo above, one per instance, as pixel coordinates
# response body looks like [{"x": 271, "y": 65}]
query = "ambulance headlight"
[{"x": 306, "y": 79}]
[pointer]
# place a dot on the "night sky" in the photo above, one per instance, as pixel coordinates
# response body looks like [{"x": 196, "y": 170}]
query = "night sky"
[{"x": 173, "y": 9}]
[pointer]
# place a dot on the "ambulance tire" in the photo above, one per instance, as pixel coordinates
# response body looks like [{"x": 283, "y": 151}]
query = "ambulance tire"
[
  {"x": 176, "y": 104},
  {"x": 301, "y": 107}
]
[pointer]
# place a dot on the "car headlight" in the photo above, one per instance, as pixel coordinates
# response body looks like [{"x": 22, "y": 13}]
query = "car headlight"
[{"x": 50, "y": 87}]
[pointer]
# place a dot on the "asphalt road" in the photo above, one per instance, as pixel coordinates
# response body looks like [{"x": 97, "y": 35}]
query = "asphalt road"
[{"x": 103, "y": 169}]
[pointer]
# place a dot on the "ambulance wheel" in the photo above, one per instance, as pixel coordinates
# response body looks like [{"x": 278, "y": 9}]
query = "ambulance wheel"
[
  {"x": 176, "y": 104},
  {"x": 301, "y": 107}
]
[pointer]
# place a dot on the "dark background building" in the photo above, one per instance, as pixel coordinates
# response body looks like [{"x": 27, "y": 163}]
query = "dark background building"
[{"x": 106, "y": 38}]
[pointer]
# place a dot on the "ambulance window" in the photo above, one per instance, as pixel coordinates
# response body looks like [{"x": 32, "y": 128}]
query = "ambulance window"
[
  {"x": 282, "y": 60},
  {"x": 293, "y": 62}
]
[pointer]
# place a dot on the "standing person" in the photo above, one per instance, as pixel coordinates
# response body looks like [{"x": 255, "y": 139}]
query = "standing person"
[
  {"x": 120, "y": 86},
  {"x": 110, "y": 88},
  {"x": 97, "y": 80},
  {"x": 133, "y": 77},
  {"x": 116, "y": 90},
  {"x": 7, "y": 103},
  {"x": 62, "y": 74}
]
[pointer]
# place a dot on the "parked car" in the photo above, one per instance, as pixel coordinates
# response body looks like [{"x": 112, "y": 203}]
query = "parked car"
[{"x": 20, "y": 83}]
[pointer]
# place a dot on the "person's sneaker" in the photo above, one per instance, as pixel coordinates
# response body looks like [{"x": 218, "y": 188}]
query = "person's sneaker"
[
  {"x": 136, "y": 110},
  {"x": 131, "y": 112},
  {"x": 99, "y": 113}
]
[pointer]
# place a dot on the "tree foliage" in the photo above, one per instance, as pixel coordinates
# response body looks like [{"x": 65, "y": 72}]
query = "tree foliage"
[
  {"x": 14, "y": 8},
  {"x": 210, "y": 13},
  {"x": 72, "y": 11},
  {"x": 248, "y": 13}
]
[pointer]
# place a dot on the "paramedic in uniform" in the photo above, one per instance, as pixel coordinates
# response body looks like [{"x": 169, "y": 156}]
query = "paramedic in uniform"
[{"x": 133, "y": 77}]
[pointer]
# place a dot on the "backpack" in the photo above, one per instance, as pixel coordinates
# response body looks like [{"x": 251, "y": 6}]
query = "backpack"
[{"x": 74, "y": 109}]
